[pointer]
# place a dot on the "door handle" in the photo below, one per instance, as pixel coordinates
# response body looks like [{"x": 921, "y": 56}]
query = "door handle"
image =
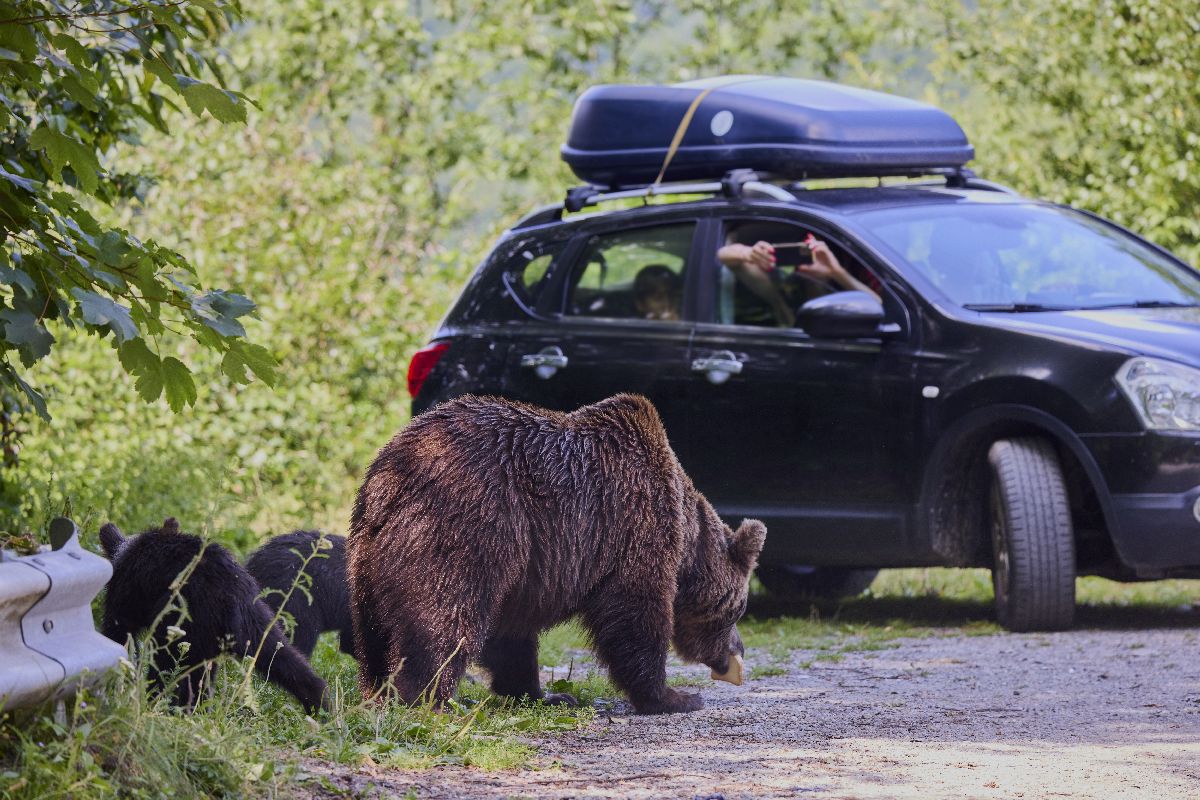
[
  {"x": 718, "y": 367},
  {"x": 545, "y": 362}
]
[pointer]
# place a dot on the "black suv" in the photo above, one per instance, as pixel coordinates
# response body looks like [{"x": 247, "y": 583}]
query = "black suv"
[{"x": 1018, "y": 389}]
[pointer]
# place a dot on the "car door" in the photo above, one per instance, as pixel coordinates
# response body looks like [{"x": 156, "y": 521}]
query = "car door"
[
  {"x": 813, "y": 436},
  {"x": 618, "y": 323}
]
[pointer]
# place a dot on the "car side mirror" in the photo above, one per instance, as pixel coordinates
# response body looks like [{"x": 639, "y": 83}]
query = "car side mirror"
[{"x": 842, "y": 315}]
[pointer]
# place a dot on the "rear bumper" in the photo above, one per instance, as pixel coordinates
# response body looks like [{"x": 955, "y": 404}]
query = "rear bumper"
[{"x": 1153, "y": 485}]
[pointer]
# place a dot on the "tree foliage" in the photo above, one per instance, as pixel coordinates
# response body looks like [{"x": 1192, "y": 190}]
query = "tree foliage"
[
  {"x": 1094, "y": 103},
  {"x": 78, "y": 81}
]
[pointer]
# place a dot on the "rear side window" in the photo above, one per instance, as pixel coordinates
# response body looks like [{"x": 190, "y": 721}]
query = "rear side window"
[
  {"x": 527, "y": 273},
  {"x": 632, "y": 274}
]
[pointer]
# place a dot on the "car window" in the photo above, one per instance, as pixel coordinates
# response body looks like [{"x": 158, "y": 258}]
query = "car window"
[
  {"x": 1010, "y": 257},
  {"x": 770, "y": 298},
  {"x": 528, "y": 271},
  {"x": 632, "y": 274}
]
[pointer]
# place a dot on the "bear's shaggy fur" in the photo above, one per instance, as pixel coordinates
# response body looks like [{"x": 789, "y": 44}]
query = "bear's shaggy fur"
[
  {"x": 223, "y": 612},
  {"x": 485, "y": 522},
  {"x": 326, "y": 604}
]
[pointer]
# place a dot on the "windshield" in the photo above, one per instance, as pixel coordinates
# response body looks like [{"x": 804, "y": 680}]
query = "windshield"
[{"x": 1029, "y": 258}]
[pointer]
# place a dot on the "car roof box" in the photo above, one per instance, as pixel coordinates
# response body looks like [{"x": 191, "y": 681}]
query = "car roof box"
[{"x": 788, "y": 127}]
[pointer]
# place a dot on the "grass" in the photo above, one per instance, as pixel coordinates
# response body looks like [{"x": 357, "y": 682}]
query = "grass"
[
  {"x": 118, "y": 741},
  {"x": 250, "y": 738}
]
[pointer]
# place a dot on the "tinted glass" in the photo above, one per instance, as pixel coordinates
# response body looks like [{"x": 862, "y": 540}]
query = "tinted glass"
[
  {"x": 1001, "y": 256},
  {"x": 527, "y": 272},
  {"x": 634, "y": 274}
]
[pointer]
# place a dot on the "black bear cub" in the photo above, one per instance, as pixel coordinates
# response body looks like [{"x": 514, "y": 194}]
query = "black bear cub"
[
  {"x": 224, "y": 614},
  {"x": 326, "y": 604}
]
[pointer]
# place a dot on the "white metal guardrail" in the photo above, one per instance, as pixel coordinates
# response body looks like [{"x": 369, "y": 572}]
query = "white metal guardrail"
[{"x": 48, "y": 643}]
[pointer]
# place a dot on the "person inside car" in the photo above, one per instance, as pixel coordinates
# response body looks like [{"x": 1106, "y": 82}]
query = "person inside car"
[
  {"x": 753, "y": 265},
  {"x": 656, "y": 292}
]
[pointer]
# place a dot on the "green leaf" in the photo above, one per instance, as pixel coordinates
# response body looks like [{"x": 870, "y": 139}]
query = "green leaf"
[
  {"x": 20, "y": 39},
  {"x": 11, "y": 276},
  {"x": 230, "y": 304},
  {"x": 77, "y": 54},
  {"x": 159, "y": 69},
  {"x": 9, "y": 375},
  {"x": 224, "y": 106},
  {"x": 62, "y": 149},
  {"x": 234, "y": 366},
  {"x": 99, "y": 310},
  {"x": 258, "y": 359},
  {"x": 79, "y": 93},
  {"x": 112, "y": 248},
  {"x": 18, "y": 181},
  {"x": 181, "y": 389},
  {"x": 23, "y": 329},
  {"x": 149, "y": 384},
  {"x": 138, "y": 359}
]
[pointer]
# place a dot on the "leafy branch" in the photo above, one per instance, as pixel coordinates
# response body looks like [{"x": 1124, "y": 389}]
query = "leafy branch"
[{"x": 65, "y": 101}]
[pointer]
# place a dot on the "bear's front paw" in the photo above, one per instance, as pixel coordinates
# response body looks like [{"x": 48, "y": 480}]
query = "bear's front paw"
[
  {"x": 560, "y": 699},
  {"x": 670, "y": 702}
]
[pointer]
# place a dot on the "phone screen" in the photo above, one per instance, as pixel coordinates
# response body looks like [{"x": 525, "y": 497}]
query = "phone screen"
[{"x": 791, "y": 254}]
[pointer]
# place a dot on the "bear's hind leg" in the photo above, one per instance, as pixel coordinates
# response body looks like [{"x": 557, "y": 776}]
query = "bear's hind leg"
[
  {"x": 426, "y": 668},
  {"x": 512, "y": 660},
  {"x": 632, "y": 635}
]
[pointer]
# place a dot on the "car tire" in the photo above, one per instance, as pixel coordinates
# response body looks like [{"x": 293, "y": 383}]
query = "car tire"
[
  {"x": 799, "y": 583},
  {"x": 1033, "y": 544}
]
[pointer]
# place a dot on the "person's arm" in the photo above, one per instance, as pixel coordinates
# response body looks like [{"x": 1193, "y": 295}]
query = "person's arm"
[
  {"x": 751, "y": 265},
  {"x": 825, "y": 266}
]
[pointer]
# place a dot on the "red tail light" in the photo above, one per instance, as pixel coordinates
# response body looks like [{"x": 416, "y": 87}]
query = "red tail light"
[{"x": 423, "y": 362}]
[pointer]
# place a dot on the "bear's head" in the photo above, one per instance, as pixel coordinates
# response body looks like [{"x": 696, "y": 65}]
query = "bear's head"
[
  {"x": 144, "y": 568},
  {"x": 711, "y": 596}
]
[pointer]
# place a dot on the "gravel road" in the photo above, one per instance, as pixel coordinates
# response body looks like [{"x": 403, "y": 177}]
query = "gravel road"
[{"x": 1083, "y": 714}]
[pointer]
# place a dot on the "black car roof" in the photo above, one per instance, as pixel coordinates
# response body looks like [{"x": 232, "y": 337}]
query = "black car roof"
[
  {"x": 840, "y": 201},
  {"x": 856, "y": 200}
]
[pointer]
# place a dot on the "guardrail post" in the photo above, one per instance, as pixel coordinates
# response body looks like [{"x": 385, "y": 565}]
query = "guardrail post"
[{"x": 48, "y": 643}]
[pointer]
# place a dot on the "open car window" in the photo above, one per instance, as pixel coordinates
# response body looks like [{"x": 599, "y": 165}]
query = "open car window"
[
  {"x": 760, "y": 299},
  {"x": 632, "y": 274}
]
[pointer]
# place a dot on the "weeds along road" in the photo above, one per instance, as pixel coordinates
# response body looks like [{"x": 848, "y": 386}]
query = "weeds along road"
[{"x": 1107, "y": 712}]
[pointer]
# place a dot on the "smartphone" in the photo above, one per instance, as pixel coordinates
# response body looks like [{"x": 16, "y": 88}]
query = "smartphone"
[{"x": 790, "y": 254}]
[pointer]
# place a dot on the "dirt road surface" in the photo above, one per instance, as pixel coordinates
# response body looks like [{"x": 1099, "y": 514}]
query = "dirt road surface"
[{"x": 1084, "y": 714}]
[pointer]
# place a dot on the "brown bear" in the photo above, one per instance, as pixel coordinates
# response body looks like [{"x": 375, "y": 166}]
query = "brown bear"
[{"x": 485, "y": 522}]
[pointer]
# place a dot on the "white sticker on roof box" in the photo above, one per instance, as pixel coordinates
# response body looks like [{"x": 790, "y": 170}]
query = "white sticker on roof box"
[{"x": 722, "y": 121}]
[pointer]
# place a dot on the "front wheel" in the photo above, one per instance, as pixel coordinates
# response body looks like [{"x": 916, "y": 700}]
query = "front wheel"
[
  {"x": 797, "y": 583},
  {"x": 1033, "y": 544}
]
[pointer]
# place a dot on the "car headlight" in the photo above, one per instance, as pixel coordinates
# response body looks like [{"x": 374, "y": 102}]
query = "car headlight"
[{"x": 1165, "y": 394}]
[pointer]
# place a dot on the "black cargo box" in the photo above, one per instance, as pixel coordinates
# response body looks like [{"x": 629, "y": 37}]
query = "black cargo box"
[{"x": 789, "y": 127}]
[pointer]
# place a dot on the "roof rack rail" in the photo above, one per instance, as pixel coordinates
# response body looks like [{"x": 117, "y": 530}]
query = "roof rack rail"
[{"x": 736, "y": 183}]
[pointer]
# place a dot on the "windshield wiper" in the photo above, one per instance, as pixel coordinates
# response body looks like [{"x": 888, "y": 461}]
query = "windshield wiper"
[
  {"x": 1014, "y": 308},
  {"x": 1145, "y": 304}
]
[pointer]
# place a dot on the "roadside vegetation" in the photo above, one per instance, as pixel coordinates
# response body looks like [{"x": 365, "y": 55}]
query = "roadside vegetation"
[{"x": 385, "y": 149}]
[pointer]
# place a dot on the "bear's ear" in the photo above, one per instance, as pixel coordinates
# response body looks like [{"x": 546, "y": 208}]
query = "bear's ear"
[
  {"x": 747, "y": 544},
  {"x": 111, "y": 539},
  {"x": 170, "y": 525}
]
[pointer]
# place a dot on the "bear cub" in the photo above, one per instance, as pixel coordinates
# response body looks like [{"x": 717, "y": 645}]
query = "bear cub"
[
  {"x": 326, "y": 606},
  {"x": 485, "y": 522},
  {"x": 224, "y": 613}
]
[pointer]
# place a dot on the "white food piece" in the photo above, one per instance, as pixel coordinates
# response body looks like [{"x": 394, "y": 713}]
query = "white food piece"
[{"x": 733, "y": 674}]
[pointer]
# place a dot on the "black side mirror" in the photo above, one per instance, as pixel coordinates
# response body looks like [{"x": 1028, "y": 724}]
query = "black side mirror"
[{"x": 842, "y": 315}]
